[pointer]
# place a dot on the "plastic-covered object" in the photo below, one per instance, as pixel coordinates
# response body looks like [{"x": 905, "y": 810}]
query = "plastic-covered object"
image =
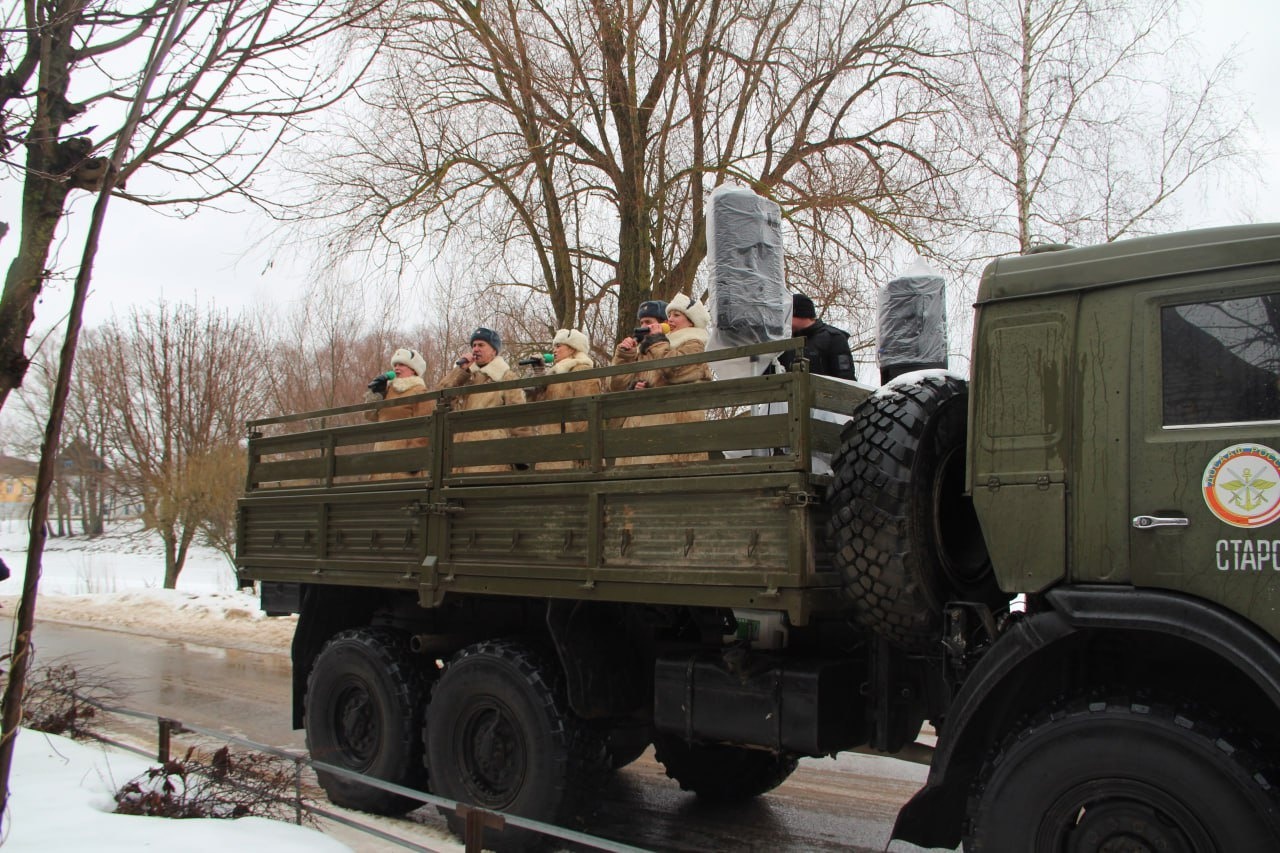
[
  {"x": 912, "y": 327},
  {"x": 749, "y": 302}
]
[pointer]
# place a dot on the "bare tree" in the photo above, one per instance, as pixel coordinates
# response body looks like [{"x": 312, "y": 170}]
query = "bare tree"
[
  {"x": 1090, "y": 116},
  {"x": 326, "y": 346},
  {"x": 88, "y": 430},
  {"x": 565, "y": 149},
  {"x": 180, "y": 382},
  {"x": 212, "y": 483},
  {"x": 83, "y": 476},
  {"x": 239, "y": 74},
  {"x": 317, "y": 351}
]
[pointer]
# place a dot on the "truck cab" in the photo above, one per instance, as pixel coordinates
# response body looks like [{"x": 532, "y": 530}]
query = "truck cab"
[{"x": 1123, "y": 425}]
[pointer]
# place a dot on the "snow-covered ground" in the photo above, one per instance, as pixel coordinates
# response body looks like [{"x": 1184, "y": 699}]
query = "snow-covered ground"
[
  {"x": 62, "y": 799},
  {"x": 126, "y": 559},
  {"x": 115, "y": 582}
]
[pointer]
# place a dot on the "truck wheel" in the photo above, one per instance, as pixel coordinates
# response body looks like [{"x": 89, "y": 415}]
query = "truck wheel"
[
  {"x": 364, "y": 709},
  {"x": 719, "y": 773},
  {"x": 906, "y": 538},
  {"x": 1121, "y": 775},
  {"x": 501, "y": 736}
]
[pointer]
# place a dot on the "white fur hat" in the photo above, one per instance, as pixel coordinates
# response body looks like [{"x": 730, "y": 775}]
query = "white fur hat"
[
  {"x": 411, "y": 359},
  {"x": 695, "y": 311},
  {"x": 573, "y": 338}
]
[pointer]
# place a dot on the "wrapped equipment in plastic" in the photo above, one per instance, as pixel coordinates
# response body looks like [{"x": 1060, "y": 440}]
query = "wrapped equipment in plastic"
[
  {"x": 748, "y": 300},
  {"x": 912, "y": 328}
]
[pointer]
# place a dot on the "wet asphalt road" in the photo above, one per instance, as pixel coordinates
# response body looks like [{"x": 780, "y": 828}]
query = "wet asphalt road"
[
  {"x": 240, "y": 692},
  {"x": 847, "y": 803}
]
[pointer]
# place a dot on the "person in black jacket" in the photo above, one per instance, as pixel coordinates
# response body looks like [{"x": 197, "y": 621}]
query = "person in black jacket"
[{"x": 826, "y": 347}]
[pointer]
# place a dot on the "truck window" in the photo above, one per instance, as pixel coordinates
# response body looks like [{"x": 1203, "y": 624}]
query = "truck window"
[{"x": 1221, "y": 361}]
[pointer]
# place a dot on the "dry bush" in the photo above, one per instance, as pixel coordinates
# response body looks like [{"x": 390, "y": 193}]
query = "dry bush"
[
  {"x": 216, "y": 785},
  {"x": 58, "y": 699}
]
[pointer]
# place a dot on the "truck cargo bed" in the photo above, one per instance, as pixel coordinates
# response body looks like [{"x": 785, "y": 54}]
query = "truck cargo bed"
[{"x": 567, "y": 513}]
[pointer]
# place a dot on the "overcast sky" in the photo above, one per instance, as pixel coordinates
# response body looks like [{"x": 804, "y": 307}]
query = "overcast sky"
[{"x": 147, "y": 256}]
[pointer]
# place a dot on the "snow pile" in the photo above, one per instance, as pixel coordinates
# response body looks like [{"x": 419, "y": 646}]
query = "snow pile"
[
  {"x": 226, "y": 619},
  {"x": 66, "y": 796}
]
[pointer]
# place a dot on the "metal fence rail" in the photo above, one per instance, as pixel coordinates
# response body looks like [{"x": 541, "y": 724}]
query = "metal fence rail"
[{"x": 475, "y": 820}]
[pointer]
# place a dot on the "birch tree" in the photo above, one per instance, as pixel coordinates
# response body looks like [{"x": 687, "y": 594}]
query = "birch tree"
[{"x": 1091, "y": 118}]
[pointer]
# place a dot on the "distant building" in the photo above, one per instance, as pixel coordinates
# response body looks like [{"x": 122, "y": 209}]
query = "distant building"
[
  {"x": 83, "y": 491},
  {"x": 17, "y": 480}
]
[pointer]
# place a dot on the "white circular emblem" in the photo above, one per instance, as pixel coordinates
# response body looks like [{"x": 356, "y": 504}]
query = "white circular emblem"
[{"x": 1242, "y": 485}]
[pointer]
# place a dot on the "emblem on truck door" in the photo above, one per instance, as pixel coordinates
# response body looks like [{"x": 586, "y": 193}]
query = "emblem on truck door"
[{"x": 1242, "y": 485}]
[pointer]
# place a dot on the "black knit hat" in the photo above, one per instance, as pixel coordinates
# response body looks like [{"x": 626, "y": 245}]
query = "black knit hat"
[
  {"x": 802, "y": 307},
  {"x": 655, "y": 308},
  {"x": 489, "y": 336}
]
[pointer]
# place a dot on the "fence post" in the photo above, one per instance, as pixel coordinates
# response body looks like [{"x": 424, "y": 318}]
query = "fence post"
[
  {"x": 297, "y": 791},
  {"x": 475, "y": 822},
  {"x": 162, "y": 741}
]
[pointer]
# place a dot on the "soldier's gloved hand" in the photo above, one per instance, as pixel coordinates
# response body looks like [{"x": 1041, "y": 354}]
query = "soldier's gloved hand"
[
  {"x": 651, "y": 339},
  {"x": 378, "y": 386}
]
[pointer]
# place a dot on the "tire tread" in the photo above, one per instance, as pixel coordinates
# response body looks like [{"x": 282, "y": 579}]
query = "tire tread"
[
  {"x": 410, "y": 684},
  {"x": 580, "y": 750},
  {"x": 870, "y": 496},
  {"x": 1197, "y": 723}
]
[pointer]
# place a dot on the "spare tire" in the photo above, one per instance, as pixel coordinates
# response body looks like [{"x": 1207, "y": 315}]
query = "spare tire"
[{"x": 907, "y": 540}]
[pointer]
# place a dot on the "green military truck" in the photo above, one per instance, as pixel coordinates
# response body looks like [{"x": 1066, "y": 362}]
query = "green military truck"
[{"x": 1066, "y": 565}]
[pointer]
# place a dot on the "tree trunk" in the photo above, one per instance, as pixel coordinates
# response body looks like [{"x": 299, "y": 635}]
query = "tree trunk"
[
  {"x": 96, "y": 502},
  {"x": 634, "y": 285},
  {"x": 171, "y": 568},
  {"x": 635, "y": 282},
  {"x": 44, "y": 192},
  {"x": 1022, "y": 184},
  {"x": 42, "y": 201},
  {"x": 177, "y": 542},
  {"x": 61, "y": 506}
]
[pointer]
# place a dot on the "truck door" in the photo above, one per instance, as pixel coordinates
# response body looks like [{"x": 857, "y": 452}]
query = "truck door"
[{"x": 1205, "y": 448}]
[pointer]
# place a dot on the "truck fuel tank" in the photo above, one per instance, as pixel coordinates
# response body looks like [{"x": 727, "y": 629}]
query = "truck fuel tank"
[{"x": 812, "y": 707}]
